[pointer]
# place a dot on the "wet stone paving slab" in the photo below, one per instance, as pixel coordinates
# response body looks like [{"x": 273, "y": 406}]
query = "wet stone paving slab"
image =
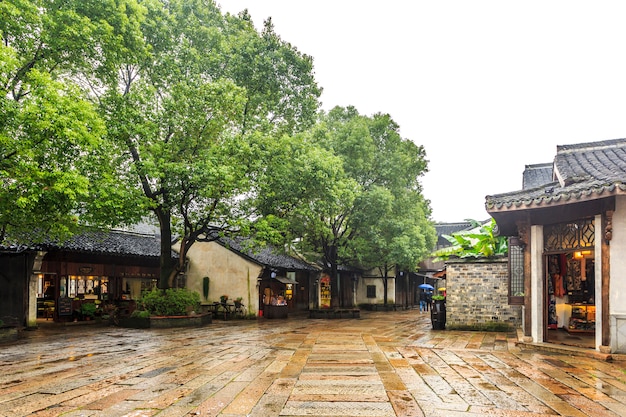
[{"x": 381, "y": 364}]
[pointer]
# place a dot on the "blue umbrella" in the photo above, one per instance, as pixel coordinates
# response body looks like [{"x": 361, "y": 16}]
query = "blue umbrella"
[{"x": 426, "y": 286}]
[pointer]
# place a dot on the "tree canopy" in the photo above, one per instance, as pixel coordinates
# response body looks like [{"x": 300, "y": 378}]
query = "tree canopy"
[
  {"x": 54, "y": 166},
  {"x": 195, "y": 112},
  {"x": 349, "y": 190},
  {"x": 112, "y": 109}
]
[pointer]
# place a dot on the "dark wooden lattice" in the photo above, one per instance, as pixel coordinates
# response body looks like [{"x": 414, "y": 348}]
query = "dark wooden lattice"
[{"x": 575, "y": 235}]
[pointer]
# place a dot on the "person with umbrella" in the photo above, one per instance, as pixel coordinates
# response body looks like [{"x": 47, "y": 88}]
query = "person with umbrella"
[{"x": 424, "y": 296}]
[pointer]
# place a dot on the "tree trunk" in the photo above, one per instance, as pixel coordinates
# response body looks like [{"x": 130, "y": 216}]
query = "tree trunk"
[{"x": 165, "y": 261}]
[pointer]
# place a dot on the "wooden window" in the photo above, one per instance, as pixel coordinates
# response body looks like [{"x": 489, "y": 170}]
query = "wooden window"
[
  {"x": 516, "y": 271},
  {"x": 371, "y": 291},
  {"x": 579, "y": 234}
]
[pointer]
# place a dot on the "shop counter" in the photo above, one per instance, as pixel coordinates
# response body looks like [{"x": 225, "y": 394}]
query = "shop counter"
[{"x": 275, "y": 311}]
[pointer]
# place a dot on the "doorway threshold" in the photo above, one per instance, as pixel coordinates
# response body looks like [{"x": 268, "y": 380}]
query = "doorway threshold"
[{"x": 567, "y": 350}]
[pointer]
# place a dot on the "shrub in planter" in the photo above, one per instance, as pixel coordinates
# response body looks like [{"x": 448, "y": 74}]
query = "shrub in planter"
[
  {"x": 88, "y": 310},
  {"x": 171, "y": 302},
  {"x": 140, "y": 314}
]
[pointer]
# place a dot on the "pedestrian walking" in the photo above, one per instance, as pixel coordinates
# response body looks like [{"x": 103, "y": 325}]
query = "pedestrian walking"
[{"x": 423, "y": 302}]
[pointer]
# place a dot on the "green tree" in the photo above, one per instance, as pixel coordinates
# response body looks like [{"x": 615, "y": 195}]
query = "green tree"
[
  {"x": 194, "y": 119},
  {"x": 55, "y": 169},
  {"x": 281, "y": 94},
  {"x": 399, "y": 238},
  {"x": 342, "y": 186}
]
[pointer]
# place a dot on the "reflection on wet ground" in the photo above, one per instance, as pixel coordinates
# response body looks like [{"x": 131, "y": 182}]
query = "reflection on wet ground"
[{"x": 383, "y": 364}]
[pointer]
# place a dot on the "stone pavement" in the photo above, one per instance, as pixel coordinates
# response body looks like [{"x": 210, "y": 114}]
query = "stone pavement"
[{"x": 383, "y": 364}]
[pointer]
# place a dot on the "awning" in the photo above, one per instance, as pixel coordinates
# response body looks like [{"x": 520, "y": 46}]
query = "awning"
[{"x": 286, "y": 280}]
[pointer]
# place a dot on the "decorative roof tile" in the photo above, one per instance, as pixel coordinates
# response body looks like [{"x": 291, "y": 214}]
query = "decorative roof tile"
[
  {"x": 536, "y": 175},
  {"x": 584, "y": 171},
  {"x": 99, "y": 242}
]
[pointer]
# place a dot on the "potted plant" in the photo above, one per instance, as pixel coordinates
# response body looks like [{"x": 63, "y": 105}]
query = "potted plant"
[
  {"x": 438, "y": 312},
  {"x": 88, "y": 310}
]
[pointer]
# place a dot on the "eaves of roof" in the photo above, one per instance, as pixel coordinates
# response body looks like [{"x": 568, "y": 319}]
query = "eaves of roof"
[
  {"x": 267, "y": 256},
  {"x": 99, "y": 242},
  {"x": 582, "y": 172},
  {"x": 552, "y": 195}
]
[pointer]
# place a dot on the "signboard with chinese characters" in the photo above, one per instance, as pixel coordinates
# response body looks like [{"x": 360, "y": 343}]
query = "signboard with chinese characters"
[{"x": 325, "y": 291}]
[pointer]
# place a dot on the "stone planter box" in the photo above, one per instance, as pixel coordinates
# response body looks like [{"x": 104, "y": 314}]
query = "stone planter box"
[
  {"x": 135, "y": 322},
  {"x": 166, "y": 322}
]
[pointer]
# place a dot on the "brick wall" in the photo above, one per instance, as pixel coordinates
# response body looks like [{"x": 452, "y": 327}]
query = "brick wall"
[{"x": 477, "y": 292}]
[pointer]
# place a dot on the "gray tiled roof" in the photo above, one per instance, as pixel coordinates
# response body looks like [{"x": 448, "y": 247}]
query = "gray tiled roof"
[
  {"x": 448, "y": 229},
  {"x": 536, "y": 175},
  {"x": 99, "y": 242},
  {"x": 115, "y": 243},
  {"x": 585, "y": 171},
  {"x": 267, "y": 256}
]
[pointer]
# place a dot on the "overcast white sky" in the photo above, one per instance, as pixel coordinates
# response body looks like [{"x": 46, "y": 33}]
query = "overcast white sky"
[{"x": 486, "y": 87}]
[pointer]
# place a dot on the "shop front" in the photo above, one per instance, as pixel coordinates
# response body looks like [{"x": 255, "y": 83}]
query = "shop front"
[
  {"x": 570, "y": 219},
  {"x": 569, "y": 283},
  {"x": 72, "y": 291},
  {"x": 278, "y": 292}
]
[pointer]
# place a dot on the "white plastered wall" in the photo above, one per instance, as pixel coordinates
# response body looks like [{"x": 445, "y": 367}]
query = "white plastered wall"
[
  {"x": 617, "y": 291},
  {"x": 536, "y": 282},
  {"x": 229, "y": 274}
]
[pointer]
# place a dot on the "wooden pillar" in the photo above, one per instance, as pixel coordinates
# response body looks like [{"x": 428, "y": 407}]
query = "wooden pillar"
[{"x": 606, "y": 235}]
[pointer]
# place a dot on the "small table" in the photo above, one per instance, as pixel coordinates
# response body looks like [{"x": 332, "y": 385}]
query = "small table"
[{"x": 224, "y": 310}]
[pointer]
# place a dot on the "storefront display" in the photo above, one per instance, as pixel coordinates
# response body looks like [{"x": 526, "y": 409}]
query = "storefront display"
[
  {"x": 571, "y": 292},
  {"x": 582, "y": 319}
]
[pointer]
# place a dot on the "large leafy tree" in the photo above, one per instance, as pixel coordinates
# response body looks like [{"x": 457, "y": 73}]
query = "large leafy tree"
[
  {"x": 353, "y": 196},
  {"x": 399, "y": 239},
  {"x": 195, "y": 113},
  {"x": 388, "y": 225},
  {"x": 55, "y": 170}
]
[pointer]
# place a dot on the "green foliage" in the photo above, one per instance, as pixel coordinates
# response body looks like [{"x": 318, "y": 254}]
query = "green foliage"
[
  {"x": 55, "y": 170},
  {"x": 88, "y": 309},
  {"x": 194, "y": 115},
  {"x": 140, "y": 314},
  {"x": 348, "y": 190},
  {"x": 170, "y": 302},
  {"x": 382, "y": 219},
  {"x": 482, "y": 243}
]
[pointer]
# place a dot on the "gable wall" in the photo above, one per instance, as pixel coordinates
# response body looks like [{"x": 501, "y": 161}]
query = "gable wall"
[
  {"x": 228, "y": 274},
  {"x": 378, "y": 281},
  {"x": 477, "y": 292}
]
